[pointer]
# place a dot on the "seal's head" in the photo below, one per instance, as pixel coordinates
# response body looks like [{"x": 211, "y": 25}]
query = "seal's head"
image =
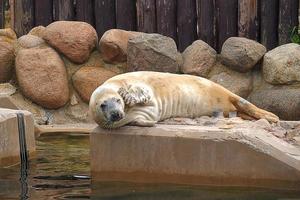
[{"x": 107, "y": 108}]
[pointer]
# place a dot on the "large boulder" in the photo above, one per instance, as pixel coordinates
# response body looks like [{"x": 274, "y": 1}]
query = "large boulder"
[
  {"x": 282, "y": 64},
  {"x": 241, "y": 54},
  {"x": 238, "y": 83},
  {"x": 7, "y": 38},
  {"x": 87, "y": 79},
  {"x": 42, "y": 76},
  {"x": 198, "y": 59},
  {"x": 75, "y": 40},
  {"x": 153, "y": 52},
  {"x": 282, "y": 100},
  {"x": 30, "y": 41},
  {"x": 113, "y": 45}
]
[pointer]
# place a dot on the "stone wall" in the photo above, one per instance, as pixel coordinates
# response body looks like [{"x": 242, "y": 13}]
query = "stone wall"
[{"x": 53, "y": 70}]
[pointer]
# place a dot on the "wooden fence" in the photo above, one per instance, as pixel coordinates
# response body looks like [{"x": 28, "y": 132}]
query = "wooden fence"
[{"x": 267, "y": 21}]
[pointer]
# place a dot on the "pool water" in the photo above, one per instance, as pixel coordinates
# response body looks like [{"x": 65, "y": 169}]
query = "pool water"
[{"x": 61, "y": 170}]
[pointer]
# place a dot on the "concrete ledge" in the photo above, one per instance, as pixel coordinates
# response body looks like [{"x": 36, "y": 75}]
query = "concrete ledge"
[
  {"x": 9, "y": 136},
  {"x": 195, "y": 155}
]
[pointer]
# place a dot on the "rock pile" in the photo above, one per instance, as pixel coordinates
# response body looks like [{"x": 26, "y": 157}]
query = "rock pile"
[{"x": 59, "y": 66}]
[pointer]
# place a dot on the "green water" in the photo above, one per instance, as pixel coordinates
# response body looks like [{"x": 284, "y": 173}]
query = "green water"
[{"x": 62, "y": 170}]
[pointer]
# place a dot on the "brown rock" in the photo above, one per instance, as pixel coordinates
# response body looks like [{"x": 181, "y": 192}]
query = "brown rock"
[
  {"x": 28, "y": 41},
  {"x": 75, "y": 40},
  {"x": 6, "y": 58},
  {"x": 198, "y": 59},
  {"x": 238, "y": 83},
  {"x": 9, "y": 33},
  {"x": 241, "y": 54},
  {"x": 42, "y": 77},
  {"x": 87, "y": 79},
  {"x": 153, "y": 52},
  {"x": 113, "y": 45},
  {"x": 38, "y": 31}
]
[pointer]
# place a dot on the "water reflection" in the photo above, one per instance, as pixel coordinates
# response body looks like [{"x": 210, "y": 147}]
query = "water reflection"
[{"x": 62, "y": 171}]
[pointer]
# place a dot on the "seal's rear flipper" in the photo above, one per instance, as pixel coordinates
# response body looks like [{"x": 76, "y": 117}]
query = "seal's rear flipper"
[{"x": 248, "y": 108}]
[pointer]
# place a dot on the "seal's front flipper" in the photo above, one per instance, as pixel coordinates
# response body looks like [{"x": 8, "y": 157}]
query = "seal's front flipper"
[
  {"x": 135, "y": 95},
  {"x": 143, "y": 122}
]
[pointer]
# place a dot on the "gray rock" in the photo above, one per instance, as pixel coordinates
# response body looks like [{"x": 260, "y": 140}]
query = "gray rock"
[
  {"x": 153, "y": 52},
  {"x": 282, "y": 64},
  {"x": 282, "y": 101},
  {"x": 198, "y": 59},
  {"x": 241, "y": 54},
  {"x": 7, "y": 89},
  {"x": 238, "y": 83}
]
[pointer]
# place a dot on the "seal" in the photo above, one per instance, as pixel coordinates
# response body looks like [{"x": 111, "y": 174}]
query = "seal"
[{"x": 143, "y": 98}]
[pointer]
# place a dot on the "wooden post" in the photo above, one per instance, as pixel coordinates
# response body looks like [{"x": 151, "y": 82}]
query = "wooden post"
[
  {"x": 166, "y": 18},
  {"x": 12, "y": 13},
  {"x": 269, "y": 23},
  {"x": 248, "y": 19},
  {"x": 146, "y": 16},
  {"x": 85, "y": 11},
  {"x": 207, "y": 21},
  {"x": 288, "y": 19},
  {"x": 105, "y": 16},
  {"x": 24, "y": 16},
  {"x": 227, "y": 17},
  {"x": 43, "y": 12},
  {"x": 2, "y": 14},
  {"x": 126, "y": 15},
  {"x": 186, "y": 23},
  {"x": 63, "y": 10}
]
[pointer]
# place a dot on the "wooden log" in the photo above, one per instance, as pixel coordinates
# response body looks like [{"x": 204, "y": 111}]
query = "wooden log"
[
  {"x": 227, "y": 17},
  {"x": 207, "y": 21},
  {"x": 64, "y": 10},
  {"x": 43, "y": 12},
  {"x": 126, "y": 15},
  {"x": 12, "y": 13},
  {"x": 288, "y": 19},
  {"x": 2, "y": 14},
  {"x": 105, "y": 16},
  {"x": 166, "y": 18},
  {"x": 24, "y": 16},
  {"x": 85, "y": 11},
  {"x": 186, "y": 23},
  {"x": 146, "y": 16},
  {"x": 269, "y": 23},
  {"x": 248, "y": 24}
]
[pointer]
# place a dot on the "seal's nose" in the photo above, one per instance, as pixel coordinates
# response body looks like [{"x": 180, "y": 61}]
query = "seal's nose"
[{"x": 115, "y": 116}]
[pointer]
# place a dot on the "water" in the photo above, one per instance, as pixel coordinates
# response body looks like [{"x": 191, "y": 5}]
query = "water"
[{"x": 62, "y": 170}]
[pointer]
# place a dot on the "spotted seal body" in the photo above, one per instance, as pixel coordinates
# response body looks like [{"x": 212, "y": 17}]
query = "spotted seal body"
[{"x": 144, "y": 98}]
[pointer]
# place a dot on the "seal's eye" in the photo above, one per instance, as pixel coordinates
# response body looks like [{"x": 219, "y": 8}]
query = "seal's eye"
[
  {"x": 118, "y": 100},
  {"x": 103, "y": 106}
]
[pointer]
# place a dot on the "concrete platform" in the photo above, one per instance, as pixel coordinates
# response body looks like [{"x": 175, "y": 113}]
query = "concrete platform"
[
  {"x": 9, "y": 136},
  {"x": 199, "y": 155}
]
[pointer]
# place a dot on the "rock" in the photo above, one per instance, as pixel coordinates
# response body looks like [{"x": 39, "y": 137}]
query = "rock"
[
  {"x": 9, "y": 33},
  {"x": 198, "y": 59},
  {"x": 238, "y": 83},
  {"x": 73, "y": 100},
  {"x": 42, "y": 77},
  {"x": 297, "y": 140},
  {"x": 241, "y": 54},
  {"x": 113, "y": 44},
  {"x": 30, "y": 41},
  {"x": 87, "y": 79},
  {"x": 153, "y": 52},
  {"x": 281, "y": 65},
  {"x": 38, "y": 31},
  {"x": 7, "y": 89},
  {"x": 6, "y": 57},
  {"x": 75, "y": 40},
  {"x": 282, "y": 101}
]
